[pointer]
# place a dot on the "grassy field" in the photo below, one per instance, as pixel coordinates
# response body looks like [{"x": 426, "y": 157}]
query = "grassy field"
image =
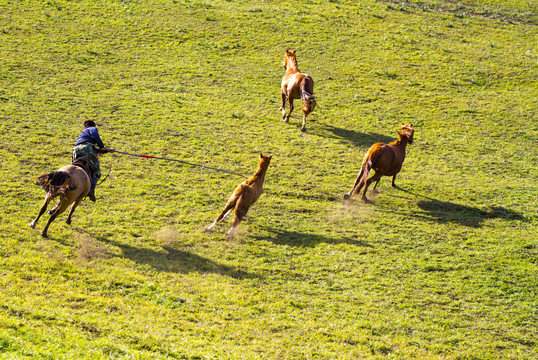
[{"x": 443, "y": 267}]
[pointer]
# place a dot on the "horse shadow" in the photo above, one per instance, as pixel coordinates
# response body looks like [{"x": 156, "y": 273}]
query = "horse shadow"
[
  {"x": 299, "y": 239},
  {"x": 445, "y": 211},
  {"x": 174, "y": 260},
  {"x": 356, "y": 138}
]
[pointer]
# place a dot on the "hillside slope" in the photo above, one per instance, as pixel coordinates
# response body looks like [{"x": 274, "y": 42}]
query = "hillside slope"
[{"x": 443, "y": 267}]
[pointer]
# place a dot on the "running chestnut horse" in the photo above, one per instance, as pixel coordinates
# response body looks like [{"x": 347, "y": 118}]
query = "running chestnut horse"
[
  {"x": 244, "y": 195},
  {"x": 296, "y": 85},
  {"x": 70, "y": 184},
  {"x": 385, "y": 159}
]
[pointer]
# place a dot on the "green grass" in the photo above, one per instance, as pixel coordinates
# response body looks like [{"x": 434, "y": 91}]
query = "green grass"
[{"x": 445, "y": 267}]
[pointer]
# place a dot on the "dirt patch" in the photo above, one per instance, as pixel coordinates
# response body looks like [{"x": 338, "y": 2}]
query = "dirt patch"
[{"x": 89, "y": 249}]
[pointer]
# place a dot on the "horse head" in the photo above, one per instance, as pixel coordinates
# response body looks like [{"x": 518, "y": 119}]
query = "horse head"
[
  {"x": 264, "y": 161},
  {"x": 290, "y": 58},
  {"x": 407, "y": 131}
]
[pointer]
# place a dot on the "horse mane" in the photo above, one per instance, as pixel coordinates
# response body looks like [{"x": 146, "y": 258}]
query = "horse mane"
[
  {"x": 56, "y": 182},
  {"x": 291, "y": 54},
  {"x": 294, "y": 58}
]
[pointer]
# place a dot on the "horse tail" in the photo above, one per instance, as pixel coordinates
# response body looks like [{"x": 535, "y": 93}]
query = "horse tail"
[
  {"x": 365, "y": 171},
  {"x": 361, "y": 178},
  {"x": 370, "y": 160},
  {"x": 373, "y": 155},
  {"x": 307, "y": 94},
  {"x": 54, "y": 183}
]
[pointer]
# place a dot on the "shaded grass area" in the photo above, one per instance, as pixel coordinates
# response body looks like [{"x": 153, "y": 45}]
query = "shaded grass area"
[{"x": 443, "y": 267}]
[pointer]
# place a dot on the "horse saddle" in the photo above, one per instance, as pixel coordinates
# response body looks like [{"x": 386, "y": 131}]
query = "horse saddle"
[{"x": 82, "y": 162}]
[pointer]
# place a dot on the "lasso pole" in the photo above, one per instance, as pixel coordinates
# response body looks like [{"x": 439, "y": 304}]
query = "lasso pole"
[{"x": 182, "y": 162}]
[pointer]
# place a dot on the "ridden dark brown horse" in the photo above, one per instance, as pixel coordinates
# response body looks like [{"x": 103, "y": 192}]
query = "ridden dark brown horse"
[
  {"x": 70, "y": 184},
  {"x": 296, "y": 85},
  {"x": 384, "y": 159},
  {"x": 244, "y": 195}
]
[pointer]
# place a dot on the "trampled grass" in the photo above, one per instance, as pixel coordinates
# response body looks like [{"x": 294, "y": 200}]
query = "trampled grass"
[{"x": 443, "y": 267}]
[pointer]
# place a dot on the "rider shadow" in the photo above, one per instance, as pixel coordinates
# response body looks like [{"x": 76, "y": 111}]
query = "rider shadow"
[
  {"x": 445, "y": 211},
  {"x": 294, "y": 238},
  {"x": 356, "y": 138},
  {"x": 178, "y": 261}
]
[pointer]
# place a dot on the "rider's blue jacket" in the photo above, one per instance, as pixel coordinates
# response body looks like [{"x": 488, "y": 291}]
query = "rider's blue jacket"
[{"x": 90, "y": 135}]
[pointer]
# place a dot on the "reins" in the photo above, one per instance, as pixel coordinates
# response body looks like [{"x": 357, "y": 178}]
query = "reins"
[
  {"x": 182, "y": 162},
  {"x": 107, "y": 175}
]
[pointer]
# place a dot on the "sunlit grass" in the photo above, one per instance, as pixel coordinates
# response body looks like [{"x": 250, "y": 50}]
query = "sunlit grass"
[{"x": 443, "y": 267}]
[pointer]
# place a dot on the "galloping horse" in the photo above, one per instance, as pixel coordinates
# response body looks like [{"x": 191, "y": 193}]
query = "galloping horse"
[
  {"x": 70, "y": 183},
  {"x": 244, "y": 195},
  {"x": 385, "y": 159},
  {"x": 296, "y": 85}
]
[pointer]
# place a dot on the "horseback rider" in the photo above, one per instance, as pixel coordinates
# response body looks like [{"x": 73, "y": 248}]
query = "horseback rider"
[{"x": 89, "y": 144}]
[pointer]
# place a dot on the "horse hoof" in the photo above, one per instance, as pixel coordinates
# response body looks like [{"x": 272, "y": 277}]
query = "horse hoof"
[
  {"x": 44, "y": 235},
  {"x": 303, "y": 129},
  {"x": 32, "y": 225},
  {"x": 347, "y": 197}
]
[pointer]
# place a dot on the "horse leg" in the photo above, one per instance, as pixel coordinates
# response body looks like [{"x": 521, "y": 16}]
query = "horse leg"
[
  {"x": 353, "y": 192},
  {"x": 241, "y": 210},
  {"x": 41, "y": 212},
  {"x": 290, "y": 101},
  {"x": 51, "y": 211},
  {"x": 51, "y": 219},
  {"x": 375, "y": 185},
  {"x": 73, "y": 207},
  {"x": 60, "y": 208},
  {"x": 303, "y": 128},
  {"x": 229, "y": 206},
  {"x": 283, "y": 106},
  {"x": 358, "y": 188},
  {"x": 363, "y": 197},
  {"x": 392, "y": 183},
  {"x": 235, "y": 224},
  {"x": 375, "y": 178}
]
